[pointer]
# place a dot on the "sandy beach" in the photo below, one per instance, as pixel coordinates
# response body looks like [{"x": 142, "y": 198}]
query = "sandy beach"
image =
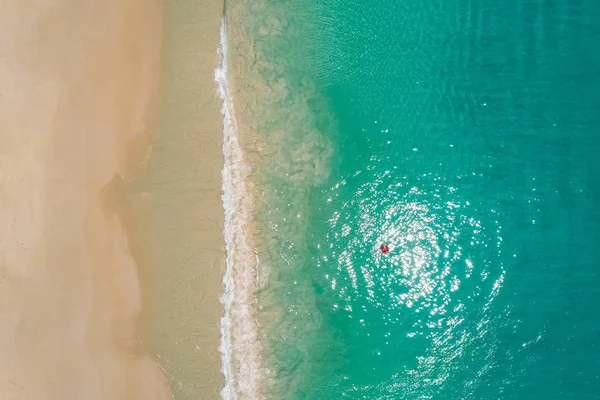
[
  {"x": 78, "y": 84},
  {"x": 173, "y": 211}
]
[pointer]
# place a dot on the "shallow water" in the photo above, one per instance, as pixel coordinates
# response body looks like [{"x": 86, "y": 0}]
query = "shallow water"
[{"x": 173, "y": 210}]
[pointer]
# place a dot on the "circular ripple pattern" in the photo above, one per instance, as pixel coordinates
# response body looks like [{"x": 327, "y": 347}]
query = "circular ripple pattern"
[{"x": 413, "y": 302}]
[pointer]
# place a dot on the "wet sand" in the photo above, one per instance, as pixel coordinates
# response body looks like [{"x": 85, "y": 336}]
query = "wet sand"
[
  {"x": 77, "y": 96},
  {"x": 173, "y": 211}
]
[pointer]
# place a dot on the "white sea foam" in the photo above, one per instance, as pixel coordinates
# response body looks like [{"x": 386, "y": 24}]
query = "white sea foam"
[{"x": 240, "y": 349}]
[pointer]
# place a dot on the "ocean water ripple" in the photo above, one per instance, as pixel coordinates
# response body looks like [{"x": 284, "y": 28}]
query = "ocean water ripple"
[{"x": 463, "y": 135}]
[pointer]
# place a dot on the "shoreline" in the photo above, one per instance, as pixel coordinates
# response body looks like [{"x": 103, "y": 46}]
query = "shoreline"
[
  {"x": 282, "y": 155},
  {"x": 77, "y": 109},
  {"x": 240, "y": 346}
]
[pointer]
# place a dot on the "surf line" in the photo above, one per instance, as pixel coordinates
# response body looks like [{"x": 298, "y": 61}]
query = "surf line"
[{"x": 239, "y": 346}]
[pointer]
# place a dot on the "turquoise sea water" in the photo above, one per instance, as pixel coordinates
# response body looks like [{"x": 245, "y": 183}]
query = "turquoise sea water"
[{"x": 466, "y": 135}]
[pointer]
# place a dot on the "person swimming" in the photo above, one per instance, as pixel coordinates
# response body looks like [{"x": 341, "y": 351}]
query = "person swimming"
[{"x": 385, "y": 249}]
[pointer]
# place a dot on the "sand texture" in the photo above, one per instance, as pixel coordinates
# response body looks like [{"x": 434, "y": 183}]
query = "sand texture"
[
  {"x": 173, "y": 211},
  {"x": 77, "y": 91}
]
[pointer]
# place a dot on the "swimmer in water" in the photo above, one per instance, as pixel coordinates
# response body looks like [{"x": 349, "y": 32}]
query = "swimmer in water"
[{"x": 385, "y": 249}]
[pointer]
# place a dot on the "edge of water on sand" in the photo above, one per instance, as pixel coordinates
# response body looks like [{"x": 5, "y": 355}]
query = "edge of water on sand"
[{"x": 240, "y": 349}]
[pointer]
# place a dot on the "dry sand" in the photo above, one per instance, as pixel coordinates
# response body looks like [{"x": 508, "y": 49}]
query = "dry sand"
[{"x": 77, "y": 82}]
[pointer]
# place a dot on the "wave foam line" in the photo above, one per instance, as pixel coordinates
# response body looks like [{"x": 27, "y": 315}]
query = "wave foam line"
[{"x": 240, "y": 349}]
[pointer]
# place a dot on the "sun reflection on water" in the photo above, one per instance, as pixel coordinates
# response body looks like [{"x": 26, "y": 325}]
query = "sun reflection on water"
[{"x": 433, "y": 277}]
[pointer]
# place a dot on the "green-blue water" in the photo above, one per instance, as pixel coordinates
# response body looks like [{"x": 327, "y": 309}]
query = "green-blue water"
[{"x": 466, "y": 135}]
